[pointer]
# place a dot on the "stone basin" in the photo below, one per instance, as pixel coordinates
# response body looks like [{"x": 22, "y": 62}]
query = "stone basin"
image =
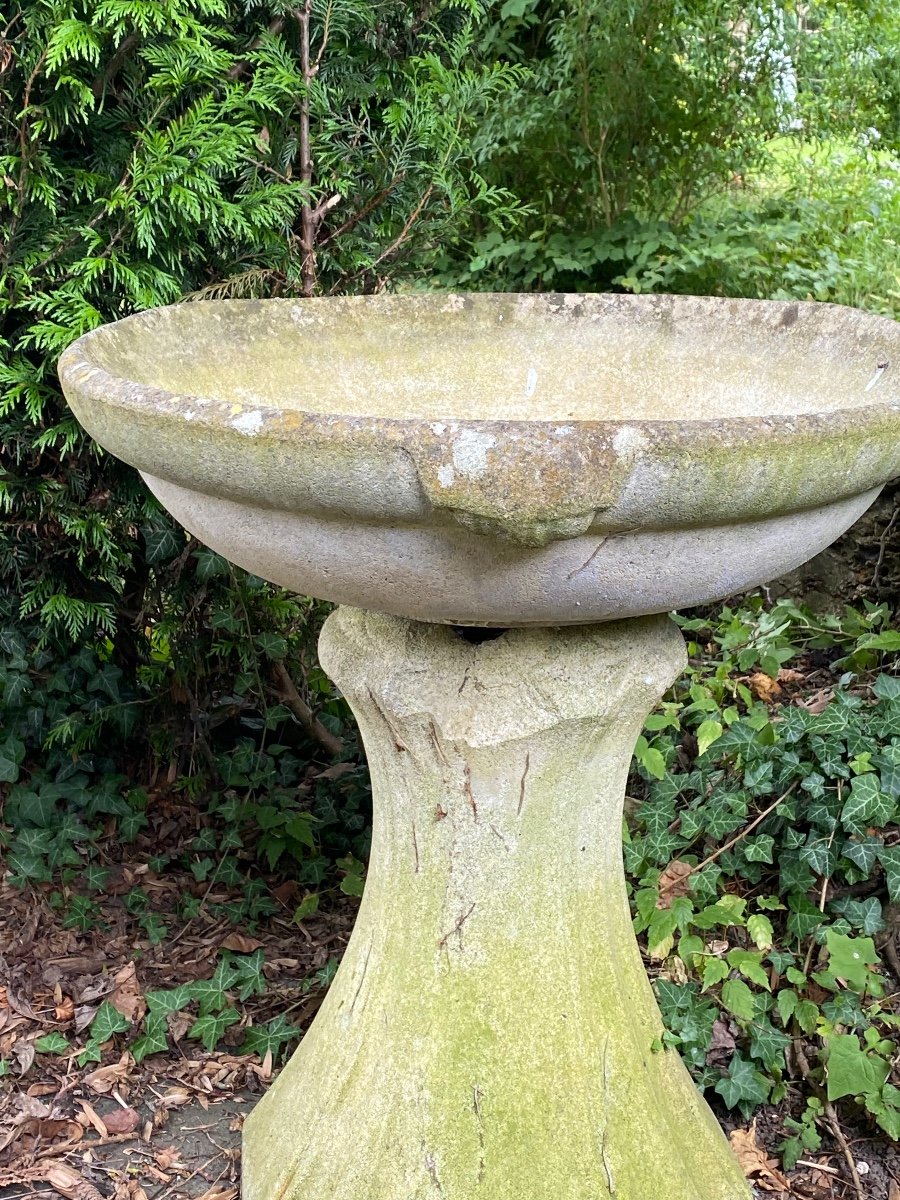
[{"x": 502, "y": 459}]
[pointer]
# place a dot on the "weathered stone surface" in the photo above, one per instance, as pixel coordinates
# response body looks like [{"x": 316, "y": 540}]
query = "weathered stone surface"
[
  {"x": 524, "y": 420},
  {"x": 489, "y": 1031},
  {"x": 444, "y": 572}
]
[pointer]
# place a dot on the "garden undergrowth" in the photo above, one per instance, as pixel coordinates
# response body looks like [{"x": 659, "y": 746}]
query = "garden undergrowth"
[{"x": 762, "y": 851}]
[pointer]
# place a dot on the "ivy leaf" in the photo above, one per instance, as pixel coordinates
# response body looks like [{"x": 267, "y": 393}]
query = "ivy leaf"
[
  {"x": 759, "y": 849},
  {"x": 887, "y": 687},
  {"x": 862, "y": 854},
  {"x": 738, "y": 999},
  {"x": 743, "y": 1086},
  {"x": 51, "y": 1043},
  {"x": 272, "y": 1037},
  {"x": 209, "y": 1028},
  {"x": 889, "y": 857},
  {"x": 154, "y": 1040},
  {"x": 211, "y": 994},
  {"x": 866, "y": 805},
  {"x": 850, "y": 958},
  {"x": 864, "y": 915},
  {"x": 171, "y": 1000},
  {"x": 162, "y": 544},
  {"x": 850, "y": 1070},
  {"x": 107, "y": 1022},
  {"x": 768, "y": 1044}
]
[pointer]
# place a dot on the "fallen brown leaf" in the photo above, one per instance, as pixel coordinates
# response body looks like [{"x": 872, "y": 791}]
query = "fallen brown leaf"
[
  {"x": 127, "y": 997},
  {"x": 790, "y": 675},
  {"x": 93, "y": 1118},
  {"x": 122, "y": 1120},
  {"x": 179, "y": 1023},
  {"x": 764, "y": 687},
  {"x": 65, "y": 1010},
  {"x": 754, "y": 1162},
  {"x": 673, "y": 882},
  {"x": 174, "y": 1098},
  {"x": 166, "y": 1158},
  {"x": 104, "y": 1079},
  {"x": 217, "y": 1193},
  {"x": 70, "y": 1183},
  {"x": 894, "y": 1190},
  {"x": 240, "y": 943}
]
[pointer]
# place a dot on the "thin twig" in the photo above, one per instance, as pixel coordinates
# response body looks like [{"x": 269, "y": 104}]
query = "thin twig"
[{"x": 747, "y": 828}]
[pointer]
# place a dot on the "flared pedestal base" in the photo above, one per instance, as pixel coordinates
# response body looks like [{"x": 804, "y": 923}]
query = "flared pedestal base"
[{"x": 489, "y": 1033}]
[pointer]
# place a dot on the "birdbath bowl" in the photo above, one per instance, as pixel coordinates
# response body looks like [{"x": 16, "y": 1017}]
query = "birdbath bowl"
[{"x": 558, "y": 470}]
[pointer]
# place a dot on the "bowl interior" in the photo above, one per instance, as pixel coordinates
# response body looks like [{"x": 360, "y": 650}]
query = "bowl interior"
[{"x": 506, "y": 357}]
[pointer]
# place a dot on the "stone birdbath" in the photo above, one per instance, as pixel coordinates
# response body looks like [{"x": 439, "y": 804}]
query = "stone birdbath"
[{"x": 556, "y": 471}]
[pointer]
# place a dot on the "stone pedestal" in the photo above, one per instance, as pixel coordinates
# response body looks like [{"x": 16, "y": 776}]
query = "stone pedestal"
[{"x": 488, "y": 1035}]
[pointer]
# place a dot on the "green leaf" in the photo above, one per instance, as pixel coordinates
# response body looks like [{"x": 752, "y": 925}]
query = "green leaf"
[
  {"x": 738, "y": 999},
  {"x": 887, "y": 687},
  {"x": 759, "y": 849},
  {"x": 209, "y": 1028},
  {"x": 274, "y": 1036},
  {"x": 888, "y": 640},
  {"x": 171, "y": 1000},
  {"x": 768, "y": 1044},
  {"x": 162, "y": 544},
  {"x": 807, "y": 1015},
  {"x": 851, "y": 958},
  {"x": 211, "y": 994},
  {"x": 743, "y": 1085},
  {"x": 52, "y": 1043},
  {"x": 272, "y": 645},
  {"x": 714, "y": 971},
  {"x": 866, "y": 805},
  {"x": 748, "y": 962},
  {"x": 786, "y": 1001},
  {"x": 862, "y": 854},
  {"x": 759, "y": 927},
  {"x": 107, "y": 1022},
  {"x": 889, "y": 857},
  {"x": 708, "y": 732},
  {"x": 154, "y": 1039},
  {"x": 307, "y": 906},
  {"x": 353, "y": 885},
  {"x": 850, "y": 1071}
]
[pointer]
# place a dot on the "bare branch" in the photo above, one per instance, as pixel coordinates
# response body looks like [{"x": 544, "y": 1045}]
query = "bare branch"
[{"x": 304, "y": 714}]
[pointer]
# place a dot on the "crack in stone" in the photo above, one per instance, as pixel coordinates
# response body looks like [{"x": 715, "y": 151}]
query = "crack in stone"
[
  {"x": 467, "y": 788},
  {"x": 457, "y": 928},
  {"x": 361, "y": 979},
  {"x": 522, "y": 784},
  {"x": 476, "y": 1105},
  {"x": 610, "y": 1178},
  {"x": 435, "y": 738},
  {"x": 431, "y": 1168},
  {"x": 587, "y": 562},
  {"x": 398, "y": 741},
  {"x": 415, "y": 846}
]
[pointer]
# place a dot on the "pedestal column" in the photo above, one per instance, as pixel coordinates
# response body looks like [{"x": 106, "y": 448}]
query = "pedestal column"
[{"x": 488, "y": 1035}]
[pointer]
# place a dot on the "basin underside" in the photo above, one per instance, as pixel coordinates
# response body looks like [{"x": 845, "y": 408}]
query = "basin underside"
[{"x": 443, "y": 572}]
